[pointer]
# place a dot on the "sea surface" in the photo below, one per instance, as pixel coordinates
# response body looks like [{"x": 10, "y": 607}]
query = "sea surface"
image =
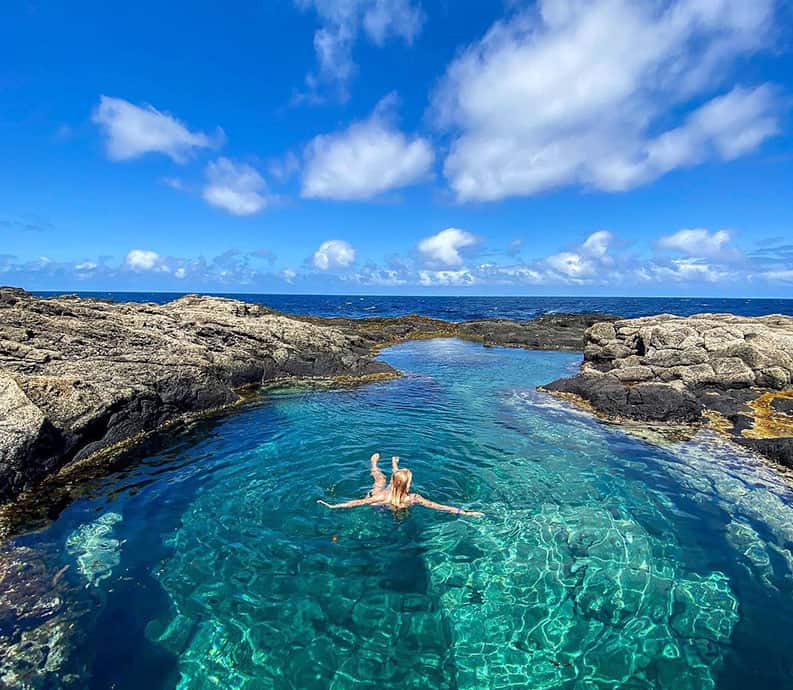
[
  {"x": 471, "y": 308},
  {"x": 602, "y": 561}
]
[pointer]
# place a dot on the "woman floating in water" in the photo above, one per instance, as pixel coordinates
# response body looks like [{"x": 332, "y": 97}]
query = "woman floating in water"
[{"x": 397, "y": 494}]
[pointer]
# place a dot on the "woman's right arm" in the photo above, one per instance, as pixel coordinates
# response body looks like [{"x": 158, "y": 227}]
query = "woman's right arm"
[{"x": 348, "y": 504}]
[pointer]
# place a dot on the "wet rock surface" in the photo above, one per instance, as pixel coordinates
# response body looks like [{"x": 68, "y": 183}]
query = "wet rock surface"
[
  {"x": 734, "y": 372},
  {"x": 80, "y": 375}
]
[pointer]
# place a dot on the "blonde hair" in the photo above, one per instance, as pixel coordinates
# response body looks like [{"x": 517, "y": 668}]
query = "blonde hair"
[{"x": 400, "y": 486}]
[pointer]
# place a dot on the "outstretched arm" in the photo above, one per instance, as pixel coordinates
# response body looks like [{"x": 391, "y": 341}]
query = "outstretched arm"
[
  {"x": 348, "y": 504},
  {"x": 394, "y": 464},
  {"x": 420, "y": 500}
]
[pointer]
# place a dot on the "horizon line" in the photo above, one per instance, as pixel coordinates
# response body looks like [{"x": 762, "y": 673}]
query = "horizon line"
[{"x": 354, "y": 294}]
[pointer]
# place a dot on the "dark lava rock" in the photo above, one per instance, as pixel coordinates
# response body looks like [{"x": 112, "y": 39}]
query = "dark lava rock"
[
  {"x": 777, "y": 449},
  {"x": 731, "y": 403},
  {"x": 783, "y": 405},
  {"x": 649, "y": 402},
  {"x": 547, "y": 332}
]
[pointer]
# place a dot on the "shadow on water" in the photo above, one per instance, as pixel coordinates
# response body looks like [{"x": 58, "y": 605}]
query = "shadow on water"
[
  {"x": 68, "y": 540},
  {"x": 132, "y": 469}
]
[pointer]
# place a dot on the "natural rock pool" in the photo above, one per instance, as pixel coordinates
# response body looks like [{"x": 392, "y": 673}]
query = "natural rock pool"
[{"x": 602, "y": 562}]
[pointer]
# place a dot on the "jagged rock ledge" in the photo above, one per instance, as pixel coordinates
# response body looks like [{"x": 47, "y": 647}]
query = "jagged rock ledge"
[
  {"x": 730, "y": 372},
  {"x": 81, "y": 378}
]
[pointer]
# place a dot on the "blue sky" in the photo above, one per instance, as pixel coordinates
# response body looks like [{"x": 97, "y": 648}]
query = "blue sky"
[{"x": 623, "y": 147}]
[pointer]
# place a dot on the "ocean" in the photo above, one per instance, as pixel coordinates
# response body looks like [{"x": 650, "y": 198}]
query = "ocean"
[{"x": 471, "y": 308}]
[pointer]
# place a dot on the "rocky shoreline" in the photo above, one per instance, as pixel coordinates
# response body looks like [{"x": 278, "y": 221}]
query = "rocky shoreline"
[
  {"x": 82, "y": 378},
  {"x": 79, "y": 376},
  {"x": 729, "y": 372}
]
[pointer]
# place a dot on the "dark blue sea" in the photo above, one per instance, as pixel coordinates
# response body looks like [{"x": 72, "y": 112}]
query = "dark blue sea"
[{"x": 470, "y": 308}]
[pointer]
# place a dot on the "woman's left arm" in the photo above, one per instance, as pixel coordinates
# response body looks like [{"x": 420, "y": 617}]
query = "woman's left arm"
[{"x": 420, "y": 500}]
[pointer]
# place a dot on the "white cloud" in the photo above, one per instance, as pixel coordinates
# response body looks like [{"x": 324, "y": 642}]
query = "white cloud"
[
  {"x": 284, "y": 167},
  {"x": 341, "y": 23},
  {"x": 180, "y": 272},
  {"x": 585, "y": 263},
  {"x": 781, "y": 276},
  {"x": 174, "y": 183},
  {"x": 366, "y": 159},
  {"x": 597, "y": 244},
  {"x": 574, "y": 92},
  {"x": 144, "y": 260},
  {"x": 289, "y": 275},
  {"x": 458, "y": 277},
  {"x": 689, "y": 270},
  {"x": 334, "y": 254},
  {"x": 696, "y": 242},
  {"x": 444, "y": 247},
  {"x": 235, "y": 187},
  {"x": 131, "y": 131}
]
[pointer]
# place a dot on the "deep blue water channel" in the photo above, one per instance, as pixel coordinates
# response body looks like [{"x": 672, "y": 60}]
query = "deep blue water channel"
[{"x": 602, "y": 562}]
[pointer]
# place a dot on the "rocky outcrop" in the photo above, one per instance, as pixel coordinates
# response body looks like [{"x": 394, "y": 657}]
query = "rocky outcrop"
[
  {"x": 726, "y": 370},
  {"x": 80, "y": 375},
  {"x": 546, "y": 332}
]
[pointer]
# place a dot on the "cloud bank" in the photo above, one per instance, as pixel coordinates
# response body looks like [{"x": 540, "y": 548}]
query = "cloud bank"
[
  {"x": 582, "y": 93},
  {"x": 688, "y": 259}
]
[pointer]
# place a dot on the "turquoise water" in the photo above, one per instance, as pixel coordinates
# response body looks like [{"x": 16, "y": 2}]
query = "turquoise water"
[{"x": 602, "y": 562}]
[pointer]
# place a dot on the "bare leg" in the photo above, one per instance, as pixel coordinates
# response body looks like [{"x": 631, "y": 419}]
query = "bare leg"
[{"x": 377, "y": 474}]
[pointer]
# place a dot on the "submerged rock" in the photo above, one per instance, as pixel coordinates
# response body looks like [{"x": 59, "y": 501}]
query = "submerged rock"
[
  {"x": 729, "y": 369},
  {"x": 95, "y": 548}
]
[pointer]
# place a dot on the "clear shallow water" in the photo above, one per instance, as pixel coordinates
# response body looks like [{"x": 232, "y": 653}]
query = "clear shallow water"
[
  {"x": 602, "y": 562},
  {"x": 471, "y": 308}
]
